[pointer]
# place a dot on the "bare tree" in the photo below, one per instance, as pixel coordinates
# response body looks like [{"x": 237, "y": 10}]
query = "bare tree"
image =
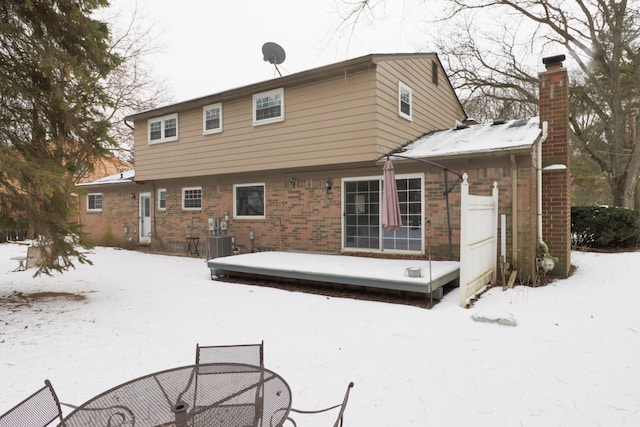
[
  {"x": 488, "y": 44},
  {"x": 490, "y": 71},
  {"x": 132, "y": 87}
]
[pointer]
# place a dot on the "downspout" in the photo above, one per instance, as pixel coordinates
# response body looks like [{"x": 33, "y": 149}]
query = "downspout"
[
  {"x": 545, "y": 134},
  {"x": 545, "y": 262},
  {"x": 514, "y": 210}
]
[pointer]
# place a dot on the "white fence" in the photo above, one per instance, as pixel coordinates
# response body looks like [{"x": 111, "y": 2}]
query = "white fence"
[{"x": 478, "y": 241}]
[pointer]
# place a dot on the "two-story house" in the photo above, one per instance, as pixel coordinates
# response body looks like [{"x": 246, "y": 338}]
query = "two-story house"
[
  {"x": 293, "y": 163},
  {"x": 278, "y": 157}
]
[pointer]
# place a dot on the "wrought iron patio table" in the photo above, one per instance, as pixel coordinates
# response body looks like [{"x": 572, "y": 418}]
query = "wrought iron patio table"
[{"x": 211, "y": 394}]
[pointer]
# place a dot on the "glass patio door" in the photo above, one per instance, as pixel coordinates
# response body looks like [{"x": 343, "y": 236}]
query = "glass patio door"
[{"x": 362, "y": 228}]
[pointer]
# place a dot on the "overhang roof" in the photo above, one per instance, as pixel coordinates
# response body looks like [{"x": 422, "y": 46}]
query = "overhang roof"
[
  {"x": 501, "y": 137},
  {"x": 126, "y": 177}
]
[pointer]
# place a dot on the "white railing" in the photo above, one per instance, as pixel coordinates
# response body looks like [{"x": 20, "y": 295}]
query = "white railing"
[{"x": 478, "y": 241}]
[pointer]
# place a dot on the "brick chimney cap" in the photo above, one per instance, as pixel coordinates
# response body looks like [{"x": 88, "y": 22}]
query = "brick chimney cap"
[{"x": 553, "y": 60}]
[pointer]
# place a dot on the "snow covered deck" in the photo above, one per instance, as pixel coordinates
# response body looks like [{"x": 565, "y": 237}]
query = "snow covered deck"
[{"x": 392, "y": 274}]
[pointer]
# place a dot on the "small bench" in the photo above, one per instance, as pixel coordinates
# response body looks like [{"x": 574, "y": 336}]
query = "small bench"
[{"x": 21, "y": 260}]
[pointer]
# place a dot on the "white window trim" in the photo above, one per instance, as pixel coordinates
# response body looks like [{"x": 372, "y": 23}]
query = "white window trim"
[
  {"x": 272, "y": 119},
  {"x": 402, "y": 86},
  {"x": 264, "y": 196},
  {"x": 345, "y": 248},
  {"x": 162, "y": 120},
  {"x": 101, "y": 202},
  {"x": 206, "y": 131},
  {"x": 160, "y": 190},
  {"x": 184, "y": 190}
]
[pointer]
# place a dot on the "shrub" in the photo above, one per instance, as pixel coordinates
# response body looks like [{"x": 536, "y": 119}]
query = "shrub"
[{"x": 598, "y": 226}]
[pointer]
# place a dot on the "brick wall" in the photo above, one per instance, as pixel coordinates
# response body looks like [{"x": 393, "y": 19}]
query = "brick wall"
[
  {"x": 482, "y": 175},
  {"x": 117, "y": 223},
  {"x": 304, "y": 217},
  {"x": 556, "y": 186},
  {"x": 526, "y": 239}
]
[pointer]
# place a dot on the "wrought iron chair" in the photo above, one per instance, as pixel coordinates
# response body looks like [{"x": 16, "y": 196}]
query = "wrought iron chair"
[
  {"x": 342, "y": 406},
  {"x": 38, "y": 410},
  {"x": 251, "y": 354}
]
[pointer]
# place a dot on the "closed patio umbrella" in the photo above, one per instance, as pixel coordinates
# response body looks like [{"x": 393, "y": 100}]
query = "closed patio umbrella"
[{"x": 391, "y": 219}]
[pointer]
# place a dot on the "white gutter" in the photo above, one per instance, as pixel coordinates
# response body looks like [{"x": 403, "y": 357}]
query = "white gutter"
[{"x": 545, "y": 133}]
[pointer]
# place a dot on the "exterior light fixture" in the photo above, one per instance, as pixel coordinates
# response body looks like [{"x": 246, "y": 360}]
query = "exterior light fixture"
[
  {"x": 292, "y": 182},
  {"x": 328, "y": 185}
]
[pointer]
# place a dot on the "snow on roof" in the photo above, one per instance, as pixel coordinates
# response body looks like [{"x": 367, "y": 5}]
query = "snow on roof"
[
  {"x": 123, "y": 177},
  {"x": 482, "y": 138}
]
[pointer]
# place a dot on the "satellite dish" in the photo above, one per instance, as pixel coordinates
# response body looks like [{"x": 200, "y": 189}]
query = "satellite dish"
[{"x": 274, "y": 54}]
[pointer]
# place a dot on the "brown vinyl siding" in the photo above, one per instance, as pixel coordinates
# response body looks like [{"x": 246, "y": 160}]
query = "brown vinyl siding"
[
  {"x": 346, "y": 117},
  {"x": 326, "y": 122},
  {"x": 433, "y": 106}
]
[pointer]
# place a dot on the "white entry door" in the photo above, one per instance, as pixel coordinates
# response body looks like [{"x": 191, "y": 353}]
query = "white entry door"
[{"x": 145, "y": 218}]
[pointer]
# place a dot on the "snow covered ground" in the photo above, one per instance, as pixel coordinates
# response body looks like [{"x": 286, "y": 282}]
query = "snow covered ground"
[{"x": 571, "y": 360}]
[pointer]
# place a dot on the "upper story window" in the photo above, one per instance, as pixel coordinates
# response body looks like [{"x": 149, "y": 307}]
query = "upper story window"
[
  {"x": 405, "y": 101},
  {"x": 162, "y": 199},
  {"x": 248, "y": 200},
  {"x": 268, "y": 107},
  {"x": 212, "y": 118},
  {"x": 191, "y": 198},
  {"x": 94, "y": 202},
  {"x": 163, "y": 129},
  {"x": 434, "y": 73}
]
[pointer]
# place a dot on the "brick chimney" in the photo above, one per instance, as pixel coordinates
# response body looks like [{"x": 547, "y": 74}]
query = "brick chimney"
[{"x": 556, "y": 184}]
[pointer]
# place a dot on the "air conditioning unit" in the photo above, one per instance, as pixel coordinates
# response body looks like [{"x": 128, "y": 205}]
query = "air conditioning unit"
[{"x": 220, "y": 246}]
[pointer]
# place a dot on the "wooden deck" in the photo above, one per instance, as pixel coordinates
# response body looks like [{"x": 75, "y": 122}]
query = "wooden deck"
[{"x": 389, "y": 274}]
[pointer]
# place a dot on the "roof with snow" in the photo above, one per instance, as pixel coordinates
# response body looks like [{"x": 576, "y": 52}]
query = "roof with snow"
[
  {"x": 483, "y": 138},
  {"x": 119, "y": 178}
]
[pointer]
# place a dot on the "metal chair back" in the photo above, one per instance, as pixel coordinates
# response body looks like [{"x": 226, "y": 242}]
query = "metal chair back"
[
  {"x": 339, "y": 418},
  {"x": 251, "y": 354},
  {"x": 38, "y": 410}
]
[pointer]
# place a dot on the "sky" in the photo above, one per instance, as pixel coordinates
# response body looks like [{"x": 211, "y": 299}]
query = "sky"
[
  {"x": 211, "y": 46},
  {"x": 570, "y": 360}
]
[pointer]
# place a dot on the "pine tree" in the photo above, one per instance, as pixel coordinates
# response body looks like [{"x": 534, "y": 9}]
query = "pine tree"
[{"x": 54, "y": 58}]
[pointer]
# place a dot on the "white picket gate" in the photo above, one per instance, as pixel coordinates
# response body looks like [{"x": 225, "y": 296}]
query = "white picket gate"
[{"x": 478, "y": 241}]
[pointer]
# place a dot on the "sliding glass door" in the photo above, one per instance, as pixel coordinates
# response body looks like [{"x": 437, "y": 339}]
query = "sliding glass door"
[{"x": 362, "y": 229}]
